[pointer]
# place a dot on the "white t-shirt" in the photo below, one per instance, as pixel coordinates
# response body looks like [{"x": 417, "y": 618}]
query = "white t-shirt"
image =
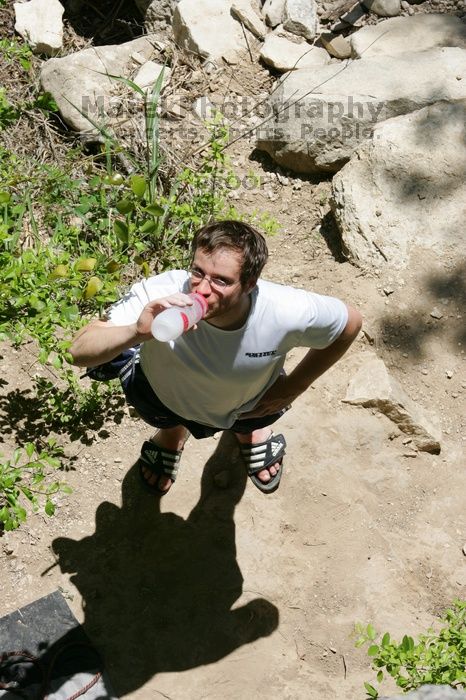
[{"x": 212, "y": 376}]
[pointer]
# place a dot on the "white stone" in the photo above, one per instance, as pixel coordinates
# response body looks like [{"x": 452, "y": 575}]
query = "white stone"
[
  {"x": 413, "y": 172},
  {"x": 245, "y": 12},
  {"x": 402, "y": 34},
  {"x": 148, "y": 74},
  {"x": 373, "y": 387},
  {"x": 78, "y": 82},
  {"x": 40, "y": 23},
  {"x": 285, "y": 55},
  {"x": 384, "y": 8},
  {"x": 336, "y": 45},
  {"x": 273, "y": 12},
  {"x": 207, "y": 28},
  {"x": 319, "y": 116},
  {"x": 300, "y": 17}
]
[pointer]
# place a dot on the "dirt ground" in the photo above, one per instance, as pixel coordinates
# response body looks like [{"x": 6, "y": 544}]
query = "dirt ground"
[
  {"x": 257, "y": 596},
  {"x": 219, "y": 592}
]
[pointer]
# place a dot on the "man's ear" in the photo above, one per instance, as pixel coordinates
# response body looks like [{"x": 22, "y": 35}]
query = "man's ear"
[{"x": 250, "y": 286}]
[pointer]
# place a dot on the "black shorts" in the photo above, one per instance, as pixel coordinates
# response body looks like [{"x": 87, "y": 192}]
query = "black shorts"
[{"x": 140, "y": 394}]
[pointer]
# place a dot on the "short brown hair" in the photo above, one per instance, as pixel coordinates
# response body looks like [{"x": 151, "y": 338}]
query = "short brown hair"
[{"x": 239, "y": 236}]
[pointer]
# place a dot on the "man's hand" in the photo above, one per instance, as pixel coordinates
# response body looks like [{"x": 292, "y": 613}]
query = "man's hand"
[
  {"x": 154, "y": 308},
  {"x": 287, "y": 388},
  {"x": 280, "y": 395}
]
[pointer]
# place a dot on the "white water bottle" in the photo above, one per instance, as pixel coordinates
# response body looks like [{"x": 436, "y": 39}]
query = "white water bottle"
[{"x": 173, "y": 322}]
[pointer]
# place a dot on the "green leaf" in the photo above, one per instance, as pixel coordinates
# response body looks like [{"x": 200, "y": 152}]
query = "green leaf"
[
  {"x": 121, "y": 230},
  {"x": 4, "y": 197},
  {"x": 29, "y": 447},
  {"x": 93, "y": 287},
  {"x": 148, "y": 227},
  {"x": 56, "y": 362},
  {"x": 124, "y": 206},
  {"x": 154, "y": 209},
  {"x": 380, "y": 676},
  {"x": 370, "y": 631},
  {"x": 60, "y": 271},
  {"x": 49, "y": 507},
  {"x": 138, "y": 185},
  {"x": 371, "y": 691},
  {"x": 373, "y": 650},
  {"x": 385, "y": 640},
  {"x": 85, "y": 264}
]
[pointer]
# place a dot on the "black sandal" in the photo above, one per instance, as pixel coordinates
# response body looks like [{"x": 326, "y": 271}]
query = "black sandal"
[
  {"x": 161, "y": 462},
  {"x": 261, "y": 455}
]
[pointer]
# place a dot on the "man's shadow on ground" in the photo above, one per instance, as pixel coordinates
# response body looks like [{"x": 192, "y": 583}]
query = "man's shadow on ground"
[{"x": 157, "y": 589}]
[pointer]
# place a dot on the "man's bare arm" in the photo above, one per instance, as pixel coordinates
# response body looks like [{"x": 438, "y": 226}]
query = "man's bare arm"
[
  {"x": 287, "y": 388},
  {"x": 101, "y": 341}
]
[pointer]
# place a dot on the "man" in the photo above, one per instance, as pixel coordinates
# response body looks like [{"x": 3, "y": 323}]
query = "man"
[{"x": 227, "y": 373}]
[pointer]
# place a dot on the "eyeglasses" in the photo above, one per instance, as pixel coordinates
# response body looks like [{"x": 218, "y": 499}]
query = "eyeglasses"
[{"x": 215, "y": 282}]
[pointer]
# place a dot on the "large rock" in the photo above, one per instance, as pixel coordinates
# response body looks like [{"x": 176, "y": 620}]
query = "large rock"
[
  {"x": 405, "y": 188},
  {"x": 40, "y": 23},
  {"x": 207, "y": 28},
  {"x": 319, "y": 116},
  {"x": 402, "y": 34},
  {"x": 79, "y": 82},
  {"x": 373, "y": 387},
  {"x": 285, "y": 55},
  {"x": 300, "y": 17}
]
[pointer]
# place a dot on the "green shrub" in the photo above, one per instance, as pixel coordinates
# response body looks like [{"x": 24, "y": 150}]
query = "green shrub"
[{"x": 438, "y": 658}]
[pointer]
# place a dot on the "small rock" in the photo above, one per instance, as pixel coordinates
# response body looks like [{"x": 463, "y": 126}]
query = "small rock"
[
  {"x": 410, "y": 454},
  {"x": 449, "y": 373},
  {"x": 436, "y": 313},
  {"x": 40, "y": 23},
  {"x": 388, "y": 291},
  {"x": 244, "y": 11},
  {"x": 406, "y": 441},
  {"x": 424, "y": 371},
  {"x": 337, "y": 46},
  {"x": 384, "y": 8},
  {"x": 117, "y": 460}
]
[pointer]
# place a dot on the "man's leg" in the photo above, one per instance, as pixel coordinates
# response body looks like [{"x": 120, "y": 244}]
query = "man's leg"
[
  {"x": 254, "y": 437},
  {"x": 170, "y": 439}
]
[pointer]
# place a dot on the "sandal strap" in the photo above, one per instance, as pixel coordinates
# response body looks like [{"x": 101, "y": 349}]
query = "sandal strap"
[
  {"x": 262, "y": 455},
  {"x": 161, "y": 460}
]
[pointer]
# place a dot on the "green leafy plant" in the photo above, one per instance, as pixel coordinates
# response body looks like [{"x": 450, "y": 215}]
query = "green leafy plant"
[
  {"x": 436, "y": 658},
  {"x": 11, "y": 50},
  {"x": 27, "y": 477}
]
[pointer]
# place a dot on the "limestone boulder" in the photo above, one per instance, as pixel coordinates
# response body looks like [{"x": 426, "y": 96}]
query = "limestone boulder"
[
  {"x": 208, "y": 29},
  {"x": 285, "y": 55},
  {"x": 319, "y": 116},
  {"x": 402, "y": 34},
  {"x": 80, "y": 82},
  {"x": 373, "y": 387},
  {"x": 40, "y": 23},
  {"x": 405, "y": 188}
]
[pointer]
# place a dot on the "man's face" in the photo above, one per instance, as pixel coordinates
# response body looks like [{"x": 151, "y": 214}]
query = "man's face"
[{"x": 224, "y": 265}]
